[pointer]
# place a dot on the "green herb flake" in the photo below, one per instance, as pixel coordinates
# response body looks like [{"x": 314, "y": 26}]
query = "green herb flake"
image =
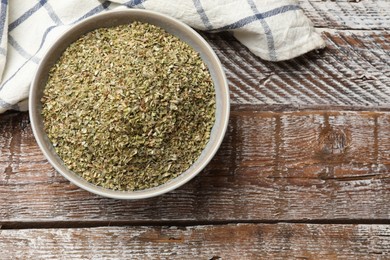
[{"x": 129, "y": 107}]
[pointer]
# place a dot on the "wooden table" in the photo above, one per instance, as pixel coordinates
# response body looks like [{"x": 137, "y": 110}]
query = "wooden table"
[{"x": 303, "y": 173}]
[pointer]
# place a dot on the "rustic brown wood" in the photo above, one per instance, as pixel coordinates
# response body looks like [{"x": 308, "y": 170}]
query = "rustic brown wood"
[
  {"x": 308, "y": 142},
  {"x": 354, "y": 70},
  {"x": 245, "y": 241},
  {"x": 348, "y": 14},
  {"x": 313, "y": 165}
]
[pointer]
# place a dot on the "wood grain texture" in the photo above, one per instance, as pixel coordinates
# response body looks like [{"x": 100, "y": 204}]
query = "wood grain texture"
[
  {"x": 313, "y": 165},
  {"x": 348, "y": 14},
  {"x": 354, "y": 70},
  {"x": 308, "y": 142},
  {"x": 248, "y": 241}
]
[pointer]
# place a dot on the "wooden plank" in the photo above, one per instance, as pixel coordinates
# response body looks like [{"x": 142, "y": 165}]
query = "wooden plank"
[
  {"x": 348, "y": 14},
  {"x": 313, "y": 165},
  {"x": 244, "y": 241},
  {"x": 354, "y": 70}
]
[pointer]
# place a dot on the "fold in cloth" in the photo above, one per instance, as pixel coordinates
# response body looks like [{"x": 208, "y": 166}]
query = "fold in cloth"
[{"x": 274, "y": 30}]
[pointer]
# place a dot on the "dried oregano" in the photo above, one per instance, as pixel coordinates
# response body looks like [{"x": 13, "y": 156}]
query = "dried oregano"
[{"x": 129, "y": 107}]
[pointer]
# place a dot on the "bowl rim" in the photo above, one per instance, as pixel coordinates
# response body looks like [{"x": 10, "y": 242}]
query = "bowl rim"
[{"x": 146, "y": 193}]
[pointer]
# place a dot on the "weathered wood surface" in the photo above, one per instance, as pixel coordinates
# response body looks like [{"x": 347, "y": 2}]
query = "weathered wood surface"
[
  {"x": 245, "y": 241},
  {"x": 354, "y": 70},
  {"x": 348, "y": 14},
  {"x": 308, "y": 141},
  {"x": 305, "y": 165}
]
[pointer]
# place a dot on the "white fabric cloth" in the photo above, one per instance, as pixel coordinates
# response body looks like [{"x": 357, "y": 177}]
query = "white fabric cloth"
[{"x": 272, "y": 29}]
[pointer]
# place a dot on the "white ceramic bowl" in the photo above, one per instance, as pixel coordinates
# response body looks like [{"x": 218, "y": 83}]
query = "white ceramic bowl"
[{"x": 114, "y": 18}]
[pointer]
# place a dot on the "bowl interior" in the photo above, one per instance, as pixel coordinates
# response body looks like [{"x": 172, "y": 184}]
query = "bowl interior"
[{"x": 110, "y": 19}]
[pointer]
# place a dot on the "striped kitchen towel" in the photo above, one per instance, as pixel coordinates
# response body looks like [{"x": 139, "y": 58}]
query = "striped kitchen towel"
[{"x": 272, "y": 29}]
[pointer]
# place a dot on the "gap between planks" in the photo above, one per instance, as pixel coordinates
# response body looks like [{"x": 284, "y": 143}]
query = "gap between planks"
[
  {"x": 269, "y": 108},
  {"x": 307, "y": 108},
  {"x": 181, "y": 223}
]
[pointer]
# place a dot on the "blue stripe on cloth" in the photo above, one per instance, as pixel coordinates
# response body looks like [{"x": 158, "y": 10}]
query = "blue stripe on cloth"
[
  {"x": 267, "y": 31},
  {"x": 250, "y": 19},
  {"x": 134, "y": 3},
  {"x": 28, "y": 60},
  {"x": 44, "y": 37},
  {"x": 95, "y": 10},
  {"x": 7, "y": 105},
  {"x": 3, "y": 15},
  {"x": 3, "y": 51},
  {"x": 21, "y": 51},
  {"x": 13, "y": 75},
  {"x": 202, "y": 14},
  {"x": 52, "y": 14},
  {"x": 26, "y": 15}
]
